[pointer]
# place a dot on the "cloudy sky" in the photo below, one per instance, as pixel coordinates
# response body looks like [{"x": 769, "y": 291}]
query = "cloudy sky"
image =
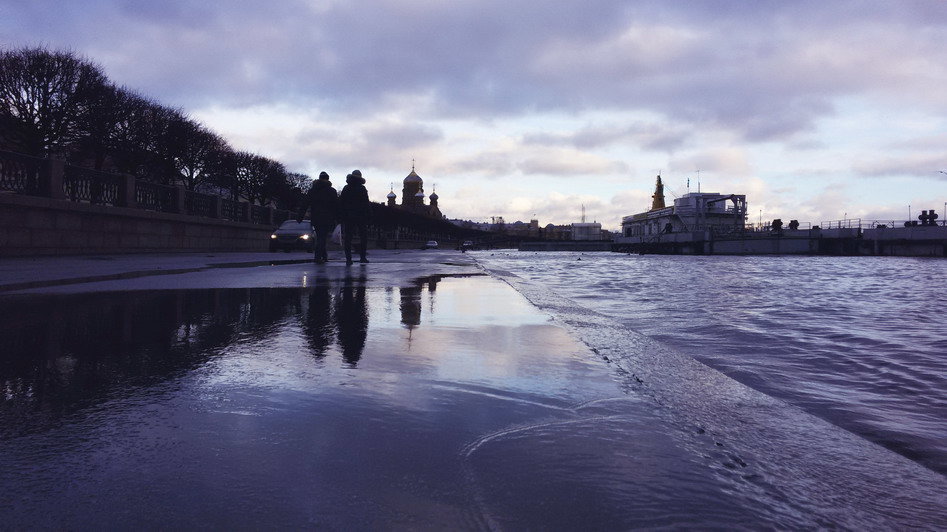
[{"x": 814, "y": 110}]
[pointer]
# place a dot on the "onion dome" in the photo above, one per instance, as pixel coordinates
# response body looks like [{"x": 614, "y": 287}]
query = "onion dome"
[
  {"x": 413, "y": 177},
  {"x": 434, "y": 196},
  {"x": 419, "y": 195},
  {"x": 392, "y": 195}
]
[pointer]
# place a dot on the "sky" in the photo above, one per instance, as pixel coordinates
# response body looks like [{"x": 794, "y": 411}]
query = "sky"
[{"x": 815, "y": 110}]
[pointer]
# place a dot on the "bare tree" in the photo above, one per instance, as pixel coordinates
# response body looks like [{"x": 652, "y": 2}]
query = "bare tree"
[
  {"x": 292, "y": 194},
  {"x": 274, "y": 181},
  {"x": 136, "y": 138},
  {"x": 58, "y": 104},
  {"x": 249, "y": 172},
  {"x": 44, "y": 92},
  {"x": 195, "y": 151},
  {"x": 100, "y": 125},
  {"x": 298, "y": 181},
  {"x": 259, "y": 179},
  {"x": 12, "y": 133},
  {"x": 224, "y": 173}
]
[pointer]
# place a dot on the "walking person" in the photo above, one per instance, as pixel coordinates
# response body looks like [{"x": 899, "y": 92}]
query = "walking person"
[
  {"x": 355, "y": 211},
  {"x": 323, "y": 201}
]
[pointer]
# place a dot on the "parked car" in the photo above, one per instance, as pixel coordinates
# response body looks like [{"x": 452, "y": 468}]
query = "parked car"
[
  {"x": 293, "y": 235},
  {"x": 431, "y": 244}
]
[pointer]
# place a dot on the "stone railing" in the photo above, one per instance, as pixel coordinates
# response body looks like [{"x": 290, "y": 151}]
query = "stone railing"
[
  {"x": 33, "y": 176},
  {"x": 20, "y": 173},
  {"x": 89, "y": 186}
]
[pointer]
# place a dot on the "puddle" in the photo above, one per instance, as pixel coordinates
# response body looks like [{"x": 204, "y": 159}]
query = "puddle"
[{"x": 337, "y": 405}]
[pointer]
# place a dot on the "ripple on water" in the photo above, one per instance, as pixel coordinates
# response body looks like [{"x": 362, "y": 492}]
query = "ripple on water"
[{"x": 853, "y": 340}]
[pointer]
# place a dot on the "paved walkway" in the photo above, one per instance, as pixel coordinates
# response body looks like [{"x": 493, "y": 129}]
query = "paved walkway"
[{"x": 21, "y": 273}]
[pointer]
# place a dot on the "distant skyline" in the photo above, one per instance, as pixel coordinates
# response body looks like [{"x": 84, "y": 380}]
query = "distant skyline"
[{"x": 813, "y": 110}]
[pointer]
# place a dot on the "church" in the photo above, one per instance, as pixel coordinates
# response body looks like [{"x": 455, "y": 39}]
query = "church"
[{"x": 412, "y": 197}]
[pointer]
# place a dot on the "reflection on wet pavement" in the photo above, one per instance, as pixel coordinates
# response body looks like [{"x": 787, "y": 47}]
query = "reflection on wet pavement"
[{"x": 450, "y": 402}]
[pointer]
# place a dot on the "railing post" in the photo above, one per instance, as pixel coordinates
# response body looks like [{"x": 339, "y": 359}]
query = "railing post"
[
  {"x": 51, "y": 178},
  {"x": 217, "y": 207},
  {"x": 127, "y": 195},
  {"x": 268, "y": 217},
  {"x": 245, "y": 214},
  {"x": 179, "y": 199}
]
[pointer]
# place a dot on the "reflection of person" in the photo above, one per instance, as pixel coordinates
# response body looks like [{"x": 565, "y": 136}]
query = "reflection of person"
[
  {"x": 320, "y": 323},
  {"x": 352, "y": 317},
  {"x": 410, "y": 305},
  {"x": 323, "y": 200},
  {"x": 355, "y": 210}
]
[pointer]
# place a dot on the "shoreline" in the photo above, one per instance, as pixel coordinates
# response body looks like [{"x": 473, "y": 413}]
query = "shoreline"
[
  {"x": 546, "y": 398},
  {"x": 764, "y": 441}
]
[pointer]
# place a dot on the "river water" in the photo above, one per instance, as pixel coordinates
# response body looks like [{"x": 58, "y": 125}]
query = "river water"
[{"x": 858, "y": 341}]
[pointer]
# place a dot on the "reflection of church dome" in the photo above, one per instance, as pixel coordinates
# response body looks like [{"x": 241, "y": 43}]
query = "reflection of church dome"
[{"x": 413, "y": 177}]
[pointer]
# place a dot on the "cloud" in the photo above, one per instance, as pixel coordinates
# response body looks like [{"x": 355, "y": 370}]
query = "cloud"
[
  {"x": 522, "y": 94},
  {"x": 480, "y": 203},
  {"x": 922, "y": 164},
  {"x": 568, "y": 163},
  {"x": 764, "y": 71},
  {"x": 559, "y": 208},
  {"x": 647, "y": 136},
  {"x": 723, "y": 162}
]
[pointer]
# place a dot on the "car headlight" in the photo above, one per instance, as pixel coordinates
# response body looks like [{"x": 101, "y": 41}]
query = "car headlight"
[
  {"x": 273, "y": 235},
  {"x": 305, "y": 237}
]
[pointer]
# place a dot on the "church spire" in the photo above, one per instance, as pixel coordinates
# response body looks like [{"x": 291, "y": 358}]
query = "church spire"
[{"x": 658, "y": 197}]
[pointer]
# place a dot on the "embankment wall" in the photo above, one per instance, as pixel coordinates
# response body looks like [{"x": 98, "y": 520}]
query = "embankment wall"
[
  {"x": 32, "y": 225},
  {"x": 566, "y": 245}
]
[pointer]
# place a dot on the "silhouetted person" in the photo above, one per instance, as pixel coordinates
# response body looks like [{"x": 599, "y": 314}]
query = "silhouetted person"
[
  {"x": 355, "y": 211},
  {"x": 323, "y": 201},
  {"x": 320, "y": 322},
  {"x": 352, "y": 318}
]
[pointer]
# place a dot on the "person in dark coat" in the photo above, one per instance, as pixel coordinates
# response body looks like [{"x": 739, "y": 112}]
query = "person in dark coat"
[
  {"x": 355, "y": 211},
  {"x": 323, "y": 201}
]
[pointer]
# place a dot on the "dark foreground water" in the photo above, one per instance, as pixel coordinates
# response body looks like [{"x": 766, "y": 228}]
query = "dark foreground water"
[
  {"x": 858, "y": 341},
  {"x": 450, "y": 403},
  {"x": 446, "y": 403}
]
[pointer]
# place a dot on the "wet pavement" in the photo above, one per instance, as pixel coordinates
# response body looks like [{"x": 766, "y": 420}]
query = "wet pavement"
[
  {"x": 413, "y": 392},
  {"x": 21, "y": 273},
  {"x": 342, "y": 402}
]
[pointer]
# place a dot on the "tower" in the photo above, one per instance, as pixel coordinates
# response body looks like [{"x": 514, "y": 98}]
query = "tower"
[
  {"x": 391, "y": 196},
  {"x": 658, "y": 197},
  {"x": 412, "y": 195}
]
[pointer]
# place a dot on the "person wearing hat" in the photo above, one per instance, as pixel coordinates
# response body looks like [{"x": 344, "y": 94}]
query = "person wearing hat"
[
  {"x": 323, "y": 201},
  {"x": 355, "y": 211}
]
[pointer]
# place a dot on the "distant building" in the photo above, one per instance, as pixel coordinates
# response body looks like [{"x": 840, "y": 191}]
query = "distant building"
[
  {"x": 412, "y": 197},
  {"x": 557, "y": 232},
  {"x": 694, "y": 211},
  {"x": 532, "y": 229},
  {"x": 587, "y": 231}
]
